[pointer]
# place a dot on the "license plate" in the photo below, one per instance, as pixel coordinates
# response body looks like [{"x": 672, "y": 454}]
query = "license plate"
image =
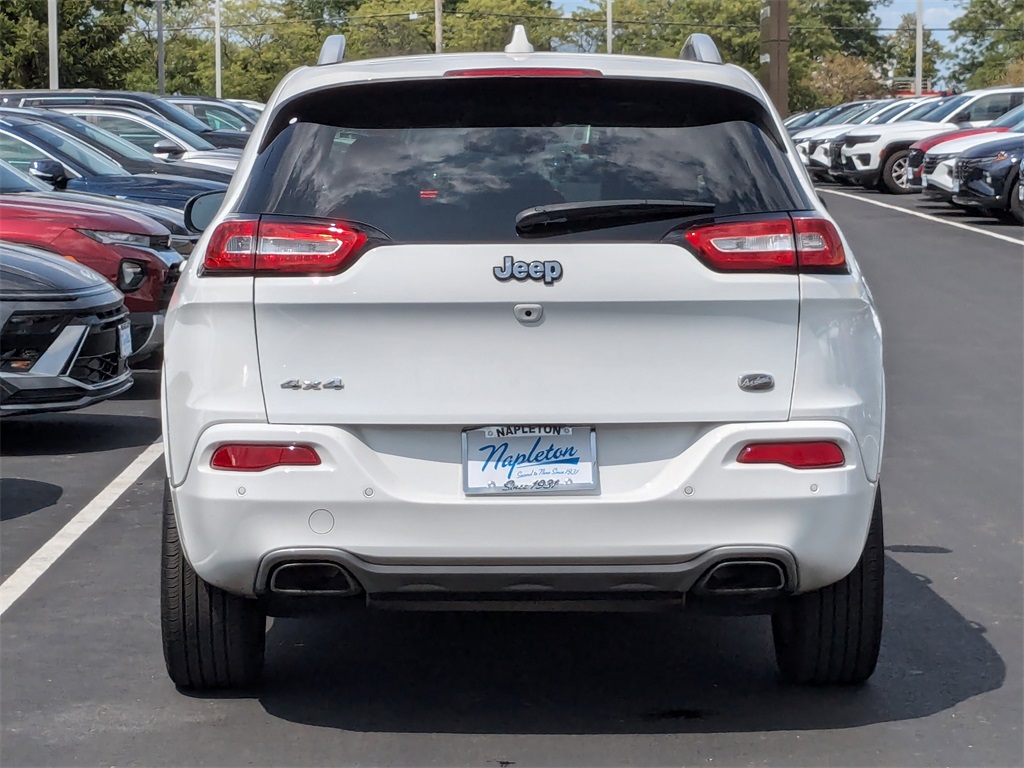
[
  {"x": 505, "y": 460},
  {"x": 924, "y": 182},
  {"x": 956, "y": 187},
  {"x": 124, "y": 339}
]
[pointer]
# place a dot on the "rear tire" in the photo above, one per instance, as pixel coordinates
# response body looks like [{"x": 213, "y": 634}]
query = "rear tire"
[
  {"x": 832, "y": 636},
  {"x": 211, "y": 638},
  {"x": 896, "y": 173}
]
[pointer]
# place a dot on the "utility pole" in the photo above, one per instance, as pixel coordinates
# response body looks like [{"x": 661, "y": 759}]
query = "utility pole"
[
  {"x": 160, "y": 47},
  {"x": 919, "y": 64},
  {"x": 608, "y": 25},
  {"x": 216, "y": 46},
  {"x": 438, "y": 26},
  {"x": 51, "y": 23},
  {"x": 775, "y": 52}
]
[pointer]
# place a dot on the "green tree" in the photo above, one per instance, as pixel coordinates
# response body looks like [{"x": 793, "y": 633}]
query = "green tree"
[
  {"x": 988, "y": 38},
  {"x": 93, "y": 51},
  {"x": 853, "y": 25},
  {"x": 840, "y": 78},
  {"x": 902, "y": 50},
  {"x": 486, "y": 25},
  {"x": 389, "y": 28}
]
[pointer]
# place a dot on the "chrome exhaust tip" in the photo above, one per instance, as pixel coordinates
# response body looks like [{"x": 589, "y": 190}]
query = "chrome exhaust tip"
[
  {"x": 743, "y": 577},
  {"x": 312, "y": 578}
]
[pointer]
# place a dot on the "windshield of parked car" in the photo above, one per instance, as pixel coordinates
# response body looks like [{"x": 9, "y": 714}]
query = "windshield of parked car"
[
  {"x": 12, "y": 180},
  {"x": 184, "y": 119},
  {"x": 105, "y": 139},
  {"x": 889, "y": 111},
  {"x": 1010, "y": 119},
  {"x": 458, "y": 160},
  {"x": 862, "y": 117},
  {"x": 94, "y": 163},
  {"x": 923, "y": 109},
  {"x": 825, "y": 117},
  {"x": 945, "y": 109}
]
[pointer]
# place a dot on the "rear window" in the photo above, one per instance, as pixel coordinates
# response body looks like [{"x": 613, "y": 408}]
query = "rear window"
[{"x": 455, "y": 160}]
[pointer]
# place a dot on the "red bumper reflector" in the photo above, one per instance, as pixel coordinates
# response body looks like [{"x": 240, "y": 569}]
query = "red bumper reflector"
[
  {"x": 258, "y": 457},
  {"x": 805, "y": 455}
]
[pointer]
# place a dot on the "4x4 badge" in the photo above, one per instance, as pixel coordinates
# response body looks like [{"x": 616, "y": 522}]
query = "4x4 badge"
[{"x": 306, "y": 384}]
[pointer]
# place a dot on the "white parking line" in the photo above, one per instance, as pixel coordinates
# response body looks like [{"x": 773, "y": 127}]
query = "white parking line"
[
  {"x": 957, "y": 224},
  {"x": 18, "y": 582}
]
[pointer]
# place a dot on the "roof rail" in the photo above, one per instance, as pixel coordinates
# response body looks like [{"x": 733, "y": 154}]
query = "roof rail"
[
  {"x": 700, "y": 47},
  {"x": 333, "y": 50}
]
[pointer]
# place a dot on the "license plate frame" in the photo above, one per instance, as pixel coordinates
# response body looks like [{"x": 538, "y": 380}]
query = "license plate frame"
[
  {"x": 531, "y": 441},
  {"x": 124, "y": 340}
]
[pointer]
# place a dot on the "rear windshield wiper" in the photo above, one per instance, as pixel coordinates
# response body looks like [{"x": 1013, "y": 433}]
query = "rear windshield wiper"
[{"x": 566, "y": 218}]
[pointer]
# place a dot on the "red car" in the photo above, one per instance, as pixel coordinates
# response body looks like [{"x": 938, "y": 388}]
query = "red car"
[{"x": 131, "y": 250}]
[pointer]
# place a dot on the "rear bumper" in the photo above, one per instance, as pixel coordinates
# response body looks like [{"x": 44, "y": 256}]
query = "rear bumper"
[{"x": 391, "y": 511}]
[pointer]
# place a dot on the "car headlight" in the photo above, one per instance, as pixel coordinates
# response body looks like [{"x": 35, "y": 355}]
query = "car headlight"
[
  {"x": 852, "y": 141},
  {"x": 117, "y": 238},
  {"x": 130, "y": 275}
]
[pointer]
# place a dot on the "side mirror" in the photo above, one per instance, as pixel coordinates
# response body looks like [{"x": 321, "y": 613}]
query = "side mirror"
[
  {"x": 167, "y": 147},
  {"x": 200, "y": 210},
  {"x": 50, "y": 171}
]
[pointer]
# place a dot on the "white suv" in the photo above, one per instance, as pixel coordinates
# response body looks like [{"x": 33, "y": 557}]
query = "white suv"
[
  {"x": 433, "y": 351},
  {"x": 879, "y": 156}
]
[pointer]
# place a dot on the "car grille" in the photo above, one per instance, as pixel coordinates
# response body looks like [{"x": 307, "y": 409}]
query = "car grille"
[
  {"x": 99, "y": 358},
  {"x": 27, "y": 335},
  {"x": 173, "y": 275},
  {"x": 931, "y": 162},
  {"x": 835, "y": 153},
  {"x": 916, "y": 158},
  {"x": 964, "y": 169}
]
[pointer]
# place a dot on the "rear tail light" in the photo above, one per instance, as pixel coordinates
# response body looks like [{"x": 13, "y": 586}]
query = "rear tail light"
[
  {"x": 260, "y": 456},
  {"x": 800, "y": 455},
  {"x": 806, "y": 243},
  {"x": 275, "y": 246}
]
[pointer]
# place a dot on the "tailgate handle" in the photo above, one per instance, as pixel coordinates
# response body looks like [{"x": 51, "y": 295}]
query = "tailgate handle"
[{"x": 529, "y": 314}]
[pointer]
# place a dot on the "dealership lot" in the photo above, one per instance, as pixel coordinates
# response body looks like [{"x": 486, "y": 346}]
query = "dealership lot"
[{"x": 83, "y": 679}]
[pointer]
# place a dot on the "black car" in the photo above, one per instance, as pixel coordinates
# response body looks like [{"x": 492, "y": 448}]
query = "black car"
[
  {"x": 988, "y": 176},
  {"x": 64, "y": 334},
  {"x": 131, "y": 99},
  {"x": 130, "y": 157},
  {"x": 15, "y": 182},
  {"x": 60, "y": 159}
]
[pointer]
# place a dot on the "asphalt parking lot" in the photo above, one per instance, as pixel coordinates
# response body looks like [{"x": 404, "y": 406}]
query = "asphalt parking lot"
[{"x": 81, "y": 673}]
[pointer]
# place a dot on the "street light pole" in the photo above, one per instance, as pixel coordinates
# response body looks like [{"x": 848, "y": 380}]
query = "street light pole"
[
  {"x": 608, "y": 31},
  {"x": 216, "y": 46},
  {"x": 919, "y": 64},
  {"x": 160, "y": 47},
  {"x": 438, "y": 27},
  {"x": 51, "y": 23}
]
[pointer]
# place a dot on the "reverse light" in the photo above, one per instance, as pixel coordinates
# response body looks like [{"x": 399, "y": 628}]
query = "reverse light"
[
  {"x": 746, "y": 246},
  {"x": 257, "y": 457},
  {"x": 796, "y": 455},
  {"x": 278, "y": 246}
]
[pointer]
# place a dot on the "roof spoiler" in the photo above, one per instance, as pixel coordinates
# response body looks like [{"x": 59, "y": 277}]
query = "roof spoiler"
[
  {"x": 333, "y": 50},
  {"x": 700, "y": 47}
]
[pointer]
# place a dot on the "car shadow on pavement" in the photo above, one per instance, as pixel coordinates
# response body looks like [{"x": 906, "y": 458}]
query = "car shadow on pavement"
[
  {"x": 20, "y": 497},
  {"x": 591, "y": 673},
  {"x": 146, "y": 386},
  {"x": 57, "y": 434}
]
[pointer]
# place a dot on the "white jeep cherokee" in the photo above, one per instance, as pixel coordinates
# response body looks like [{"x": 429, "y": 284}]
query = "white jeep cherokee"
[{"x": 522, "y": 330}]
